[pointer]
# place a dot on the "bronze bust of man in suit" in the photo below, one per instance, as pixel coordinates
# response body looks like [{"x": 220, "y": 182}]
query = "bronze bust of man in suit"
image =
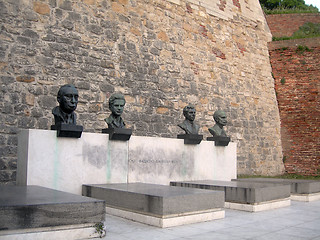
[
  {"x": 67, "y": 98},
  {"x": 188, "y": 125},
  {"x": 220, "y": 118}
]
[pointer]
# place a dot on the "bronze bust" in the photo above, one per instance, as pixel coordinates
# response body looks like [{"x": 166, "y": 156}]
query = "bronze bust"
[
  {"x": 116, "y": 106},
  {"x": 220, "y": 118},
  {"x": 188, "y": 125},
  {"x": 67, "y": 98}
]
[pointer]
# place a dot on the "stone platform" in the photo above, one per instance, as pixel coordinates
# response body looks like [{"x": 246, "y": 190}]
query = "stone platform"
[
  {"x": 158, "y": 205},
  {"x": 247, "y": 196},
  {"x": 35, "y": 210},
  {"x": 301, "y": 190}
]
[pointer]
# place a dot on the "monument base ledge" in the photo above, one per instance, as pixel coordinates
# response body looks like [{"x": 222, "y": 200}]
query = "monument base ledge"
[
  {"x": 258, "y": 207},
  {"x": 172, "y": 221},
  {"x": 305, "y": 197}
]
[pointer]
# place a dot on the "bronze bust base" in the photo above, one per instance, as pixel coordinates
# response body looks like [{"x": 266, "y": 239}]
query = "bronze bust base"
[
  {"x": 122, "y": 134},
  {"x": 219, "y": 140},
  {"x": 68, "y": 130},
  {"x": 191, "y": 138}
]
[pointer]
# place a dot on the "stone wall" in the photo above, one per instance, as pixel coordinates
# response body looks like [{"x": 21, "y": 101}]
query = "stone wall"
[
  {"x": 286, "y": 24},
  {"x": 161, "y": 54},
  {"x": 297, "y": 80}
]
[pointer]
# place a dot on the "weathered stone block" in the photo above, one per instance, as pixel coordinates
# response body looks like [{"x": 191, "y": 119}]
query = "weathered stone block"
[
  {"x": 242, "y": 192},
  {"x": 298, "y": 186},
  {"x": 41, "y": 8},
  {"x": 65, "y": 5},
  {"x": 26, "y": 207},
  {"x": 152, "y": 199}
]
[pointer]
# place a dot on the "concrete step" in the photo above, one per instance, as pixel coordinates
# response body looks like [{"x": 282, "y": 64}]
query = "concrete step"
[
  {"x": 246, "y": 196},
  {"x": 158, "y": 205}
]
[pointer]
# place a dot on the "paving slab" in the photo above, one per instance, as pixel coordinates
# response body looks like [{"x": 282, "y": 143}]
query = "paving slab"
[
  {"x": 26, "y": 207},
  {"x": 239, "y": 195},
  {"x": 158, "y": 205}
]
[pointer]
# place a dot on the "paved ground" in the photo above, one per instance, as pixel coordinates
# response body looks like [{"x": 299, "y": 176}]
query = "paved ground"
[{"x": 299, "y": 221}]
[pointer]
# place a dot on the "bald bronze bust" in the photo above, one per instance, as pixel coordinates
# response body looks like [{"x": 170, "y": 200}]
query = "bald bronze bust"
[
  {"x": 68, "y": 100},
  {"x": 220, "y": 118},
  {"x": 65, "y": 119}
]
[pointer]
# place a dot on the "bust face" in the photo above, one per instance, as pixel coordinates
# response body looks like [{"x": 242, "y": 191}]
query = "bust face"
[
  {"x": 222, "y": 119},
  {"x": 68, "y": 99},
  {"x": 117, "y": 107},
  {"x": 190, "y": 114}
]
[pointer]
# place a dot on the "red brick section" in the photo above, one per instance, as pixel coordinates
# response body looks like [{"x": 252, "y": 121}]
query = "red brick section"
[
  {"x": 286, "y": 24},
  {"x": 236, "y": 3},
  {"x": 297, "y": 83}
]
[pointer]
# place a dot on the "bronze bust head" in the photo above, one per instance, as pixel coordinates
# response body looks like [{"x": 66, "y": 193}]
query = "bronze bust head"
[
  {"x": 116, "y": 106},
  {"x": 67, "y": 98}
]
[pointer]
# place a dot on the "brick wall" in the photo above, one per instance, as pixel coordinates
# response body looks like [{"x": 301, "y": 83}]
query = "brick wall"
[
  {"x": 297, "y": 82},
  {"x": 294, "y": 43},
  {"x": 160, "y": 54},
  {"x": 286, "y": 24}
]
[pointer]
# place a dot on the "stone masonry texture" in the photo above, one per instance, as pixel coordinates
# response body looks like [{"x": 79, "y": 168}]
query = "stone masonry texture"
[{"x": 162, "y": 55}]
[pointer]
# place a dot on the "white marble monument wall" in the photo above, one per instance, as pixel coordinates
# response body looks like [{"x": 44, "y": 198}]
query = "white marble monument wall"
[
  {"x": 67, "y": 163},
  {"x": 161, "y": 160}
]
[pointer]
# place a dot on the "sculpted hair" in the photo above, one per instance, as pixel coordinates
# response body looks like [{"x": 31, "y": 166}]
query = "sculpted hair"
[
  {"x": 186, "y": 108},
  {"x": 114, "y": 97},
  {"x": 62, "y": 89}
]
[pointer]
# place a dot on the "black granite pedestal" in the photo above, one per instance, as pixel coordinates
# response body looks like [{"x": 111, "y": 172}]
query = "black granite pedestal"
[
  {"x": 68, "y": 130},
  {"x": 155, "y": 204},
  {"x": 301, "y": 190},
  {"x": 219, "y": 140},
  {"x": 121, "y": 134},
  {"x": 245, "y": 193},
  {"x": 191, "y": 138},
  {"x": 26, "y": 207}
]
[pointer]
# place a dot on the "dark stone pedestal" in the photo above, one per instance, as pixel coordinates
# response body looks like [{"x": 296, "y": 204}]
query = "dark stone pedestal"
[
  {"x": 219, "y": 141},
  {"x": 191, "y": 138},
  {"x": 242, "y": 192},
  {"x": 298, "y": 186},
  {"x": 122, "y": 134},
  {"x": 25, "y": 207},
  {"x": 68, "y": 130},
  {"x": 153, "y": 199}
]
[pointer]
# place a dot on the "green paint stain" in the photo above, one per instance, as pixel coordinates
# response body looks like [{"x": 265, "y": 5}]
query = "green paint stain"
[
  {"x": 126, "y": 176},
  {"x": 108, "y": 166},
  {"x": 56, "y": 165},
  {"x": 183, "y": 163}
]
